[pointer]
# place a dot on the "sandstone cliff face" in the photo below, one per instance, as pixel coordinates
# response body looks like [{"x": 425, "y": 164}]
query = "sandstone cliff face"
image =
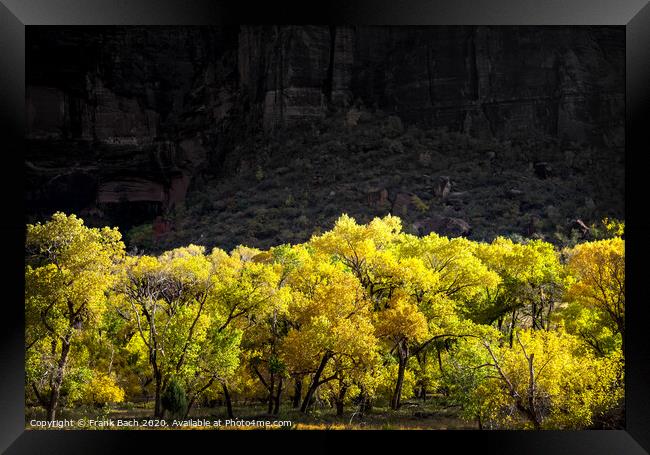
[
  {"x": 122, "y": 119},
  {"x": 496, "y": 81},
  {"x": 132, "y": 112}
]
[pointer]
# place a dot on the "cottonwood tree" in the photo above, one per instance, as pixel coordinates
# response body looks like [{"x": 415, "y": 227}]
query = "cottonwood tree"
[
  {"x": 69, "y": 269},
  {"x": 425, "y": 274},
  {"x": 369, "y": 253},
  {"x": 266, "y": 330},
  {"x": 444, "y": 277},
  {"x": 466, "y": 378},
  {"x": 355, "y": 375},
  {"x": 594, "y": 327},
  {"x": 249, "y": 296},
  {"x": 455, "y": 271},
  {"x": 329, "y": 321},
  {"x": 530, "y": 284},
  {"x": 361, "y": 312},
  {"x": 165, "y": 298},
  {"x": 217, "y": 363},
  {"x": 366, "y": 251},
  {"x": 548, "y": 380},
  {"x": 402, "y": 324},
  {"x": 597, "y": 270}
]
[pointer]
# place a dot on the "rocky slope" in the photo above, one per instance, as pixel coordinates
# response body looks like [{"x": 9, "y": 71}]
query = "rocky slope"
[
  {"x": 126, "y": 123},
  {"x": 294, "y": 183}
]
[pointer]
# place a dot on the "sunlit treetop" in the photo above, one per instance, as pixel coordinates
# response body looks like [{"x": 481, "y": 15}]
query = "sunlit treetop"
[
  {"x": 69, "y": 268},
  {"x": 534, "y": 262},
  {"x": 356, "y": 242},
  {"x": 65, "y": 240}
]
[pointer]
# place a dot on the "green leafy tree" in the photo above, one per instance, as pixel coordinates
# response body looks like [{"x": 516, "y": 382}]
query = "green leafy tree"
[{"x": 173, "y": 398}]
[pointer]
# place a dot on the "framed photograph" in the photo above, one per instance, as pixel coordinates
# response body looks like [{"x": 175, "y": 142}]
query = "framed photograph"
[{"x": 316, "y": 222}]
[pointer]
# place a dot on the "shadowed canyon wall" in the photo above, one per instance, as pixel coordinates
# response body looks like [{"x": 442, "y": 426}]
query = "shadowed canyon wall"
[{"x": 121, "y": 120}]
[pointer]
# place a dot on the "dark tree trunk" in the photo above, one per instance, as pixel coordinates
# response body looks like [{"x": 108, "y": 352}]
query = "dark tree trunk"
[
  {"x": 158, "y": 410},
  {"x": 271, "y": 389},
  {"x": 278, "y": 395},
  {"x": 55, "y": 392},
  {"x": 297, "y": 393},
  {"x": 314, "y": 383},
  {"x": 403, "y": 352},
  {"x": 339, "y": 401},
  {"x": 548, "y": 316},
  {"x": 512, "y": 327},
  {"x": 530, "y": 415},
  {"x": 422, "y": 360},
  {"x": 195, "y": 395},
  {"x": 226, "y": 396}
]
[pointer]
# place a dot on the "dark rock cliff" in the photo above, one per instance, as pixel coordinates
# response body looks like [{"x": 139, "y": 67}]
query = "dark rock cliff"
[
  {"x": 503, "y": 81},
  {"x": 122, "y": 120}
]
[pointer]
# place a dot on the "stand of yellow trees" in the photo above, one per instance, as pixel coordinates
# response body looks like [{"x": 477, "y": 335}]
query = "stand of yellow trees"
[{"x": 520, "y": 335}]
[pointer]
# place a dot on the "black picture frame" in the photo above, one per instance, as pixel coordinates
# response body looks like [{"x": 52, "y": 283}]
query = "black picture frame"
[{"x": 15, "y": 15}]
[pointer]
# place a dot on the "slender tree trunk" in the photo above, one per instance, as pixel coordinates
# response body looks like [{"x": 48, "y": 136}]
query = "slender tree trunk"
[
  {"x": 297, "y": 393},
  {"x": 548, "y": 316},
  {"x": 512, "y": 327},
  {"x": 531, "y": 393},
  {"x": 314, "y": 383},
  {"x": 340, "y": 400},
  {"x": 55, "y": 392},
  {"x": 199, "y": 392},
  {"x": 422, "y": 360},
  {"x": 278, "y": 395},
  {"x": 226, "y": 396},
  {"x": 271, "y": 390},
  {"x": 403, "y": 352},
  {"x": 529, "y": 411},
  {"x": 158, "y": 410},
  {"x": 530, "y": 414}
]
